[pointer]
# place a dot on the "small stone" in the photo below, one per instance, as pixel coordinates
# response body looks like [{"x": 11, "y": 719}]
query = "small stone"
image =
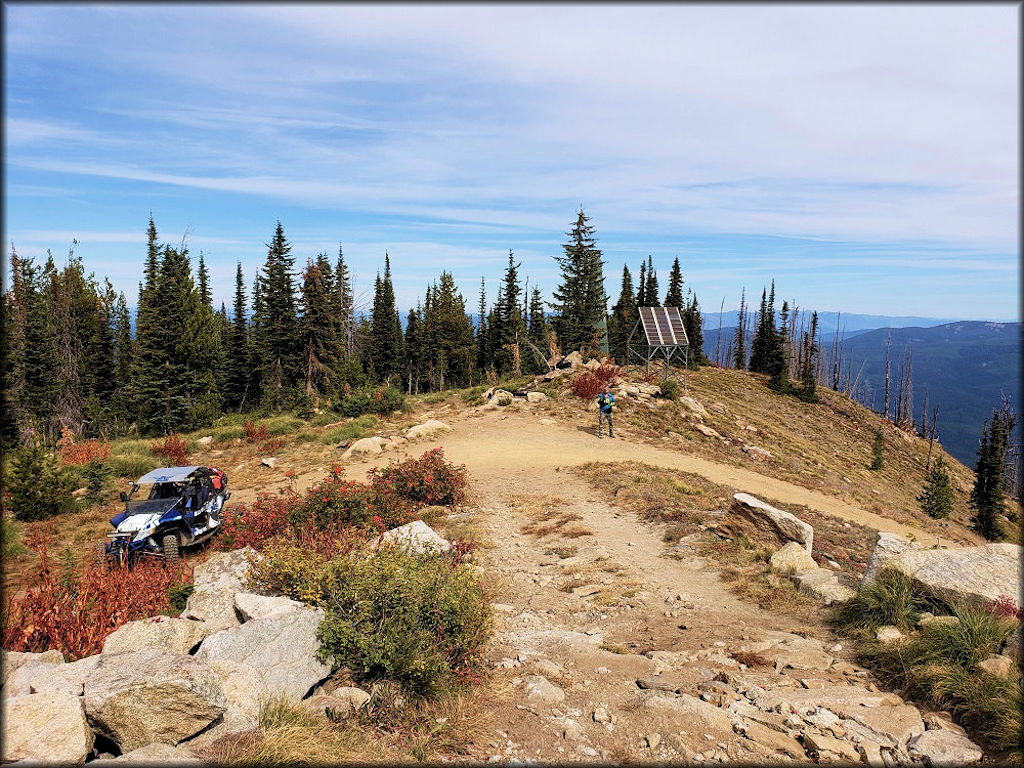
[
  {"x": 653, "y": 740},
  {"x": 269, "y": 461},
  {"x": 601, "y": 715},
  {"x": 1000, "y": 666},
  {"x": 888, "y": 634}
]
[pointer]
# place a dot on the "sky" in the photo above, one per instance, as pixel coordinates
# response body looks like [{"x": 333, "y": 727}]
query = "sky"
[{"x": 865, "y": 157}]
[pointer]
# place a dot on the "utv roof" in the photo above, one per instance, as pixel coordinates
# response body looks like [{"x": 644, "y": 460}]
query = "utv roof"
[{"x": 167, "y": 475}]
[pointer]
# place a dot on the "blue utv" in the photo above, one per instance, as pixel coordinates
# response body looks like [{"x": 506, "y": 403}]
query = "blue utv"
[{"x": 182, "y": 507}]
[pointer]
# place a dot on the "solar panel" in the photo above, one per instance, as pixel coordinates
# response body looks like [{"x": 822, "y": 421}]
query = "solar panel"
[{"x": 663, "y": 326}]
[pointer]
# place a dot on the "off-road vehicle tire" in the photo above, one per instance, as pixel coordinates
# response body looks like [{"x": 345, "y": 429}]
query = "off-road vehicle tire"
[{"x": 170, "y": 546}]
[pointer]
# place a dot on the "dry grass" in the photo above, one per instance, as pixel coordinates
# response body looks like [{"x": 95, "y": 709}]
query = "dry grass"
[{"x": 548, "y": 516}]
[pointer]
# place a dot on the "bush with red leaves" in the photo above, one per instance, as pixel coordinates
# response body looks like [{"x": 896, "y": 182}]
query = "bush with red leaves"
[
  {"x": 80, "y": 453},
  {"x": 606, "y": 373},
  {"x": 586, "y": 386},
  {"x": 75, "y": 613},
  {"x": 174, "y": 449},
  {"x": 255, "y": 433},
  {"x": 426, "y": 480}
]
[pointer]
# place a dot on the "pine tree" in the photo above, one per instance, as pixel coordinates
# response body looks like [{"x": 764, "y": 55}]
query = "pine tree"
[
  {"x": 651, "y": 291},
  {"x": 237, "y": 383},
  {"x": 319, "y": 329},
  {"x": 988, "y": 494},
  {"x": 509, "y": 329},
  {"x": 36, "y": 486},
  {"x": 344, "y": 308},
  {"x": 580, "y": 299},
  {"x": 877, "y": 451},
  {"x": 623, "y": 319},
  {"x": 124, "y": 357},
  {"x": 693, "y": 324},
  {"x": 448, "y": 332},
  {"x": 386, "y": 353},
  {"x": 740, "y": 343},
  {"x": 937, "y": 496},
  {"x": 538, "y": 333},
  {"x": 482, "y": 340},
  {"x": 641, "y": 286},
  {"x": 760, "y": 346},
  {"x": 414, "y": 350},
  {"x": 277, "y": 338},
  {"x": 674, "y": 296},
  {"x": 778, "y": 364},
  {"x": 808, "y": 369},
  {"x": 205, "y": 295}
]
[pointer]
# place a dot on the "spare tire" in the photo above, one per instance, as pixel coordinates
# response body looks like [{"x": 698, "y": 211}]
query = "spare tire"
[{"x": 170, "y": 547}]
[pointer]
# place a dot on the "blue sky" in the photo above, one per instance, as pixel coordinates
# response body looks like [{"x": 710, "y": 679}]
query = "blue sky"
[{"x": 865, "y": 157}]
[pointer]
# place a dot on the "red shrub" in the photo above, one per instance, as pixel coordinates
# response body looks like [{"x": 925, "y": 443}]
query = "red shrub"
[
  {"x": 427, "y": 480},
  {"x": 76, "y": 613},
  {"x": 80, "y": 453},
  {"x": 272, "y": 445},
  {"x": 250, "y": 525},
  {"x": 174, "y": 449},
  {"x": 607, "y": 373},
  {"x": 586, "y": 386},
  {"x": 255, "y": 433}
]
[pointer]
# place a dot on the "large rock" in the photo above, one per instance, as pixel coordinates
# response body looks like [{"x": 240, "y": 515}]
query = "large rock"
[
  {"x": 162, "y": 632},
  {"x": 341, "y": 703},
  {"x": 975, "y": 575},
  {"x": 152, "y": 754},
  {"x": 428, "y": 428},
  {"x": 941, "y": 748},
  {"x": 417, "y": 537},
  {"x": 573, "y": 360},
  {"x": 502, "y": 397},
  {"x": 368, "y": 446},
  {"x": 150, "y": 695},
  {"x": 690, "y": 711},
  {"x": 775, "y": 522},
  {"x": 51, "y": 678},
  {"x": 792, "y": 558},
  {"x": 694, "y": 406},
  {"x": 539, "y": 688},
  {"x": 999, "y": 666},
  {"x": 536, "y": 397},
  {"x": 49, "y": 728},
  {"x": 251, "y": 606},
  {"x": 825, "y": 585},
  {"x": 242, "y": 685},
  {"x": 883, "y": 713},
  {"x": 216, "y": 582},
  {"x": 13, "y": 660},
  {"x": 887, "y": 547},
  {"x": 281, "y": 647}
]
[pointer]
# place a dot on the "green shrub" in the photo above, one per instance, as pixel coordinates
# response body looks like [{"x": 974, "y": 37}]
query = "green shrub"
[
  {"x": 670, "y": 389},
  {"x": 351, "y": 431},
  {"x": 179, "y": 594},
  {"x": 96, "y": 474},
  {"x": 978, "y": 635},
  {"x": 283, "y": 425},
  {"x": 225, "y": 433},
  {"x": 36, "y": 485},
  {"x": 132, "y": 465},
  {"x": 888, "y": 600},
  {"x": 415, "y": 620},
  {"x": 305, "y": 436},
  {"x": 877, "y": 451},
  {"x": 324, "y": 418},
  {"x": 473, "y": 394},
  {"x": 10, "y": 539}
]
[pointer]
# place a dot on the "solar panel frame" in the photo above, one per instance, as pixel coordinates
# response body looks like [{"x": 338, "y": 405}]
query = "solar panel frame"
[{"x": 663, "y": 326}]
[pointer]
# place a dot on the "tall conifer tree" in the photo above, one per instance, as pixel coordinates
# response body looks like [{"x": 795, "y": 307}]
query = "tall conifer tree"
[
  {"x": 674, "y": 295},
  {"x": 276, "y": 333},
  {"x": 580, "y": 300},
  {"x": 651, "y": 291},
  {"x": 386, "y": 353}
]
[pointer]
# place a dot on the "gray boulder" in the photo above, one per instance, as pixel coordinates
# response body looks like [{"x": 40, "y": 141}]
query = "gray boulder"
[
  {"x": 281, "y": 647},
  {"x": 161, "y": 632},
  {"x": 49, "y": 728},
  {"x": 782, "y": 525},
  {"x": 368, "y": 446},
  {"x": 216, "y": 582},
  {"x": 975, "y": 575},
  {"x": 940, "y": 748},
  {"x": 154, "y": 753},
  {"x": 51, "y": 678},
  {"x": 242, "y": 685},
  {"x": 249, "y": 606},
  {"x": 428, "y": 428},
  {"x": 792, "y": 558},
  {"x": 999, "y": 666},
  {"x": 887, "y": 547},
  {"x": 825, "y": 585},
  {"x": 13, "y": 660},
  {"x": 536, "y": 397},
  {"x": 417, "y": 537},
  {"x": 151, "y": 696},
  {"x": 539, "y": 688}
]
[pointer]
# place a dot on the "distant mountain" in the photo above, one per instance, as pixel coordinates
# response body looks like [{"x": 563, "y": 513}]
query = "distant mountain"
[
  {"x": 964, "y": 367},
  {"x": 829, "y": 321}
]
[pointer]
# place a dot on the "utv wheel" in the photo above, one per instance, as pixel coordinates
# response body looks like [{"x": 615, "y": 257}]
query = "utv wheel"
[{"x": 170, "y": 545}]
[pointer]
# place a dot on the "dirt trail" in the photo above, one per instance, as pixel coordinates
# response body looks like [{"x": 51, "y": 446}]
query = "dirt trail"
[
  {"x": 598, "y": 633},
  {"x": 499, "y": 440}
]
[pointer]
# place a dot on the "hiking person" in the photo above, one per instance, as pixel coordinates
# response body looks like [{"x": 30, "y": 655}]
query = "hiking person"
[{"x": 605, "y": 403}]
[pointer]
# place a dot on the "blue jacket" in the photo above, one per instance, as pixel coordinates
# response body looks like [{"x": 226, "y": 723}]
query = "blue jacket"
[{"x": 606, "y": 400}]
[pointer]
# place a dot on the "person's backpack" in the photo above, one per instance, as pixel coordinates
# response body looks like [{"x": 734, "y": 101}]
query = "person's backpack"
[{"x": 606, "y": 401}]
